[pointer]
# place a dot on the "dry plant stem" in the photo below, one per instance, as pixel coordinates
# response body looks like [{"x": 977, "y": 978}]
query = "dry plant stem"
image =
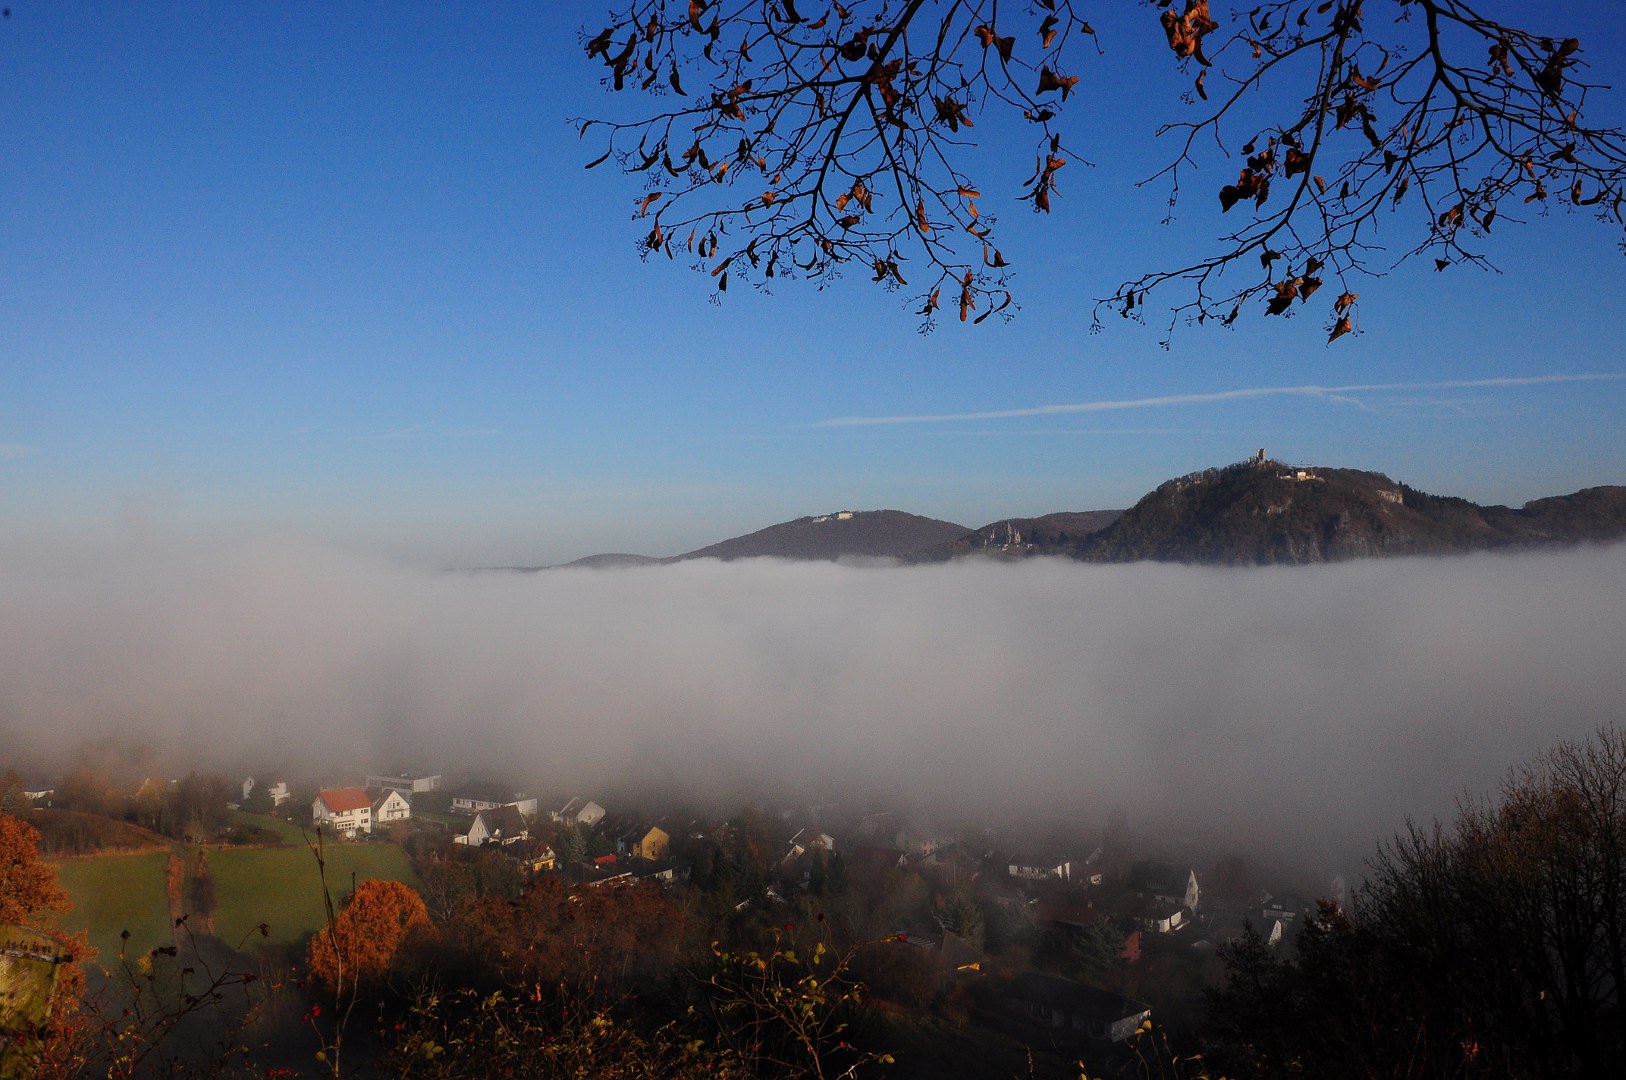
[{"x": 347, "y": 981}]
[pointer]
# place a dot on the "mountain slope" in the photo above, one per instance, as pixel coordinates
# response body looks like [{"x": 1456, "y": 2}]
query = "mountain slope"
[
  {"x": 845, "y": 534},
  {"x": 1051, "y": 534},
  {"x": 616, "y": 560},
  {"x": 1261, "y": 512}
]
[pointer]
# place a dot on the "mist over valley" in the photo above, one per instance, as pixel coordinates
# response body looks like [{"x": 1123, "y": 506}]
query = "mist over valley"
[{"x": 1301, "y": 710}]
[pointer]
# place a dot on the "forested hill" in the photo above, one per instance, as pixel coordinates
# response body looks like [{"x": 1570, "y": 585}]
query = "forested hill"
[
  {"x": 1051, "y": 534},
  {"x": 1254, "y": 513},
  {"x": 1262, "y": 512},
  {"x": 844, "y": 534}
]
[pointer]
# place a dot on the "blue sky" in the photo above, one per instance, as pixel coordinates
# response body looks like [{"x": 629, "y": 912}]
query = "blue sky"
[{"x": 338, "y": 270}]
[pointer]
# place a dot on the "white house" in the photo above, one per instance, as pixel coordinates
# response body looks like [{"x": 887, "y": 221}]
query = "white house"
[
  {"x": 473, "y": 803},
  {"x": 278, "y": 791},
  {"x": 390, "y": 806},
  {"x": 807, "y": 840},
  {"x": 922, "y": 846},
  {"x": 39, "y": 794},
  {"x": 1040, "y": 868},
  {"x": 346, "y": 810},
  {"x": 504, "y": 825},
  {"x": 1164, "y": 883},
  {"x": 589, "y": 813},
  {"x": 1165, "y": 919}
]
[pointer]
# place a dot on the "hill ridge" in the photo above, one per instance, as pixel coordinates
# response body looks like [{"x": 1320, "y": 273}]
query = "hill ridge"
[{"x": 1254, "y": 512}]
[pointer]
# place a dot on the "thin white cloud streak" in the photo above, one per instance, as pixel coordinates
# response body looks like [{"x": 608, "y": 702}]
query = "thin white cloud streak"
[
  {"x": 1335, "y": 394},
  {"x": 1301, "y": 710},
  {"x": 402, "y": 433},
  {"x": 426, "y": 430}
]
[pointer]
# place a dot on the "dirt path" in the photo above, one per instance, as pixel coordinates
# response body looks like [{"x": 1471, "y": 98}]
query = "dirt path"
[
  {"x": 174, "y": 889},
  {"x": 203, "y": 895}
]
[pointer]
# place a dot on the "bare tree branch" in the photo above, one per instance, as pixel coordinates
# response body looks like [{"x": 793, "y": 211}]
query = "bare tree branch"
[{"x": 800, "y": 146}]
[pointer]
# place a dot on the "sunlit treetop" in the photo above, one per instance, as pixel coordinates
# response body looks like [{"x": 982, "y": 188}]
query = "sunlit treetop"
[{"x": 797, "y": 139}]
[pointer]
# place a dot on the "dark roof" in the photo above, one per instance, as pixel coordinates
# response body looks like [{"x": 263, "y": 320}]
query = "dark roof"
[
  {"x": 1155, "y": 877},
  {"x": 1046, "y": 860},
  {"x": 505, "y": 821},
  {"x": 954, "y": 953},
  {"x": 875, "y": 856},
  {"x": 1288, "y": 902},
  {"x": 1074, "y": 998},
  {"x": 648, "y": 868},
  {"x": 1070, "y": 908},
  {"x": 378, "y": 795}
]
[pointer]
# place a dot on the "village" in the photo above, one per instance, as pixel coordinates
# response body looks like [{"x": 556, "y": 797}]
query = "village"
[{"x": 1070, "y": 940}]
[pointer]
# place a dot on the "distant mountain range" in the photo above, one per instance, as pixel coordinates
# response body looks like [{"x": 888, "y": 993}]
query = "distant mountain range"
[
  {"x": 843, "y": 534},
  {"x": 1254, "y": 513}
]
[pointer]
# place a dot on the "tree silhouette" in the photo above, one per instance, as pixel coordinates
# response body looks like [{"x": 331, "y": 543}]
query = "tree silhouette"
[
  {"x": 1495, "y": 946},
  {"x": 800, "y": 138}
]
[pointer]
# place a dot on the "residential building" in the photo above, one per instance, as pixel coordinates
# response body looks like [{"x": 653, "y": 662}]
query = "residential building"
[
  {"x": 1166, "y": 884},
  {"x": 390, "y": 804},
  {"x": 407, "y": 783},
  {"x": 587, "y": 813},
  {"x": 1027, "y": 867},
  {"x": 1073, "y": 1011},
  {"x": 503, "y": 825},
  {"x": 475, "y": 799},
  {"x": 346, "y": 810}
]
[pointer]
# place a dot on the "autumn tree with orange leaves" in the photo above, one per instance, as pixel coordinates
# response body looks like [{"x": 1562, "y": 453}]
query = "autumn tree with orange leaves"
[
  {"x": 363, "y": 942},
  {"x": 29, "y": 894},
  {"x": 801, "y": 138},
  {"x": 31, "y": 899}
]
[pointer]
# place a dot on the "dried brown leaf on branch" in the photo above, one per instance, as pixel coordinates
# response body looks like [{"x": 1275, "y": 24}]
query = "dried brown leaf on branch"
[
  {"x": 1424, "y": 116},
  {"x": 1187, "y": 30}
]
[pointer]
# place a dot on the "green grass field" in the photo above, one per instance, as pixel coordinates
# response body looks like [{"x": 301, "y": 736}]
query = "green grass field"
[
  {"x": 276, "y": 886},
  {"x": 113, "y": 893},
  {"x": 280, "y": 887},
  {"x": 287, "y": 830}
]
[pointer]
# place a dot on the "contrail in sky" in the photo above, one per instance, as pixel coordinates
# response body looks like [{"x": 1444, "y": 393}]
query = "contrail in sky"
[{"x": 1331, "y": 393}]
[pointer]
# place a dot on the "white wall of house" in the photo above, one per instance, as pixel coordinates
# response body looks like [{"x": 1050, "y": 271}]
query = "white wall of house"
[
  {"x": 1058, "y": 872},
  {"x": 413, "y": 785},
  {"x": 480, "y": 834},
  {"x": 393, "y": 807},
  {"x": 348, "y": 822}
]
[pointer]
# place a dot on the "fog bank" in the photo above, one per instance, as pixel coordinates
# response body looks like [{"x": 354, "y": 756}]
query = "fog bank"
[{"x": 1310, "y": 708}]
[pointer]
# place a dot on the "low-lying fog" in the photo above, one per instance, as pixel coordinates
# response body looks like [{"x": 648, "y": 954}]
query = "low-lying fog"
[{"x": 1305, "y": 709}]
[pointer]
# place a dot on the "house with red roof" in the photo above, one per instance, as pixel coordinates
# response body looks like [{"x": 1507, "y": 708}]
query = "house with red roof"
[{"x": 347, "y": 810}]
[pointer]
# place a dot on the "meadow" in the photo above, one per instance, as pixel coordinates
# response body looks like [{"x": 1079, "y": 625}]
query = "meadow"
[
  {"x": 114, "y": 893},
  {"x": 282, "y": 887},
  {"x": 278, "y": 886}
]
